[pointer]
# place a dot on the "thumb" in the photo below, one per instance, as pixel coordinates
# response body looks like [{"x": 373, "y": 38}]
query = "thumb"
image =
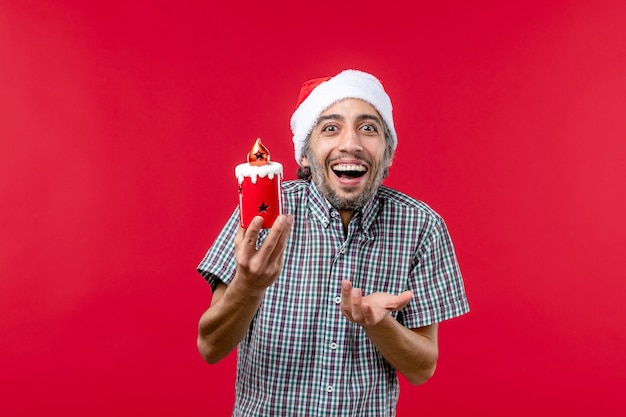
[{"x": 403, "y": 299}]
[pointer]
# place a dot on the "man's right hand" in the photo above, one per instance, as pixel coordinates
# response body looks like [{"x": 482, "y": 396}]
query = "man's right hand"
[
  {"x": 257, "y": 269},
  {"x": 225, "y": 323}
]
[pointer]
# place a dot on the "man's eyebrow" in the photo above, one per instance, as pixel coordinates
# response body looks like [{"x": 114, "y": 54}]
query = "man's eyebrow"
[
  {"x": 370, "y": 117},
  {"x": 329, "y": 117},
  {"x": 359, "y": 118}
]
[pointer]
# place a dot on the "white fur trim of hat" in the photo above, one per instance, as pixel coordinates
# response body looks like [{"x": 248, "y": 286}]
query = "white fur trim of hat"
[{"x": 319, "y": 94}]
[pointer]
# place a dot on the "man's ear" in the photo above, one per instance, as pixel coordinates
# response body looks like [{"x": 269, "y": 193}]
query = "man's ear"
[{"x": 304, "y": 161}]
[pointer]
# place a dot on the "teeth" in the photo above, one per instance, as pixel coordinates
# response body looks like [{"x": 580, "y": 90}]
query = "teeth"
[{"x": 349, "y": 167}]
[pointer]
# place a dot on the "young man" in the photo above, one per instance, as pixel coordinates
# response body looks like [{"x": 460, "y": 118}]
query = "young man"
[{"x": 348, "y": 286}]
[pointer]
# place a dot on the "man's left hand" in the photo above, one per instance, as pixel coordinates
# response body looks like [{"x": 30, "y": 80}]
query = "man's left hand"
[{"x": 371, "y": 309}]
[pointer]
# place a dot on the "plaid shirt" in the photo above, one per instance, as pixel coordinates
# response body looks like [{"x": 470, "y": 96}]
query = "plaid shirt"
[{"x": 301, "y": 356}]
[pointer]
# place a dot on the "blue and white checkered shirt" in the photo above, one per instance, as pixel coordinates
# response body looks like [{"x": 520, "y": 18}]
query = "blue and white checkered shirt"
[{"x": 301, "y": 356}]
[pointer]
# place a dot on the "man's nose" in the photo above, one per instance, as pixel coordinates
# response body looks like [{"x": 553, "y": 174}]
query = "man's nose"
[{"x": 350, "y": 141}]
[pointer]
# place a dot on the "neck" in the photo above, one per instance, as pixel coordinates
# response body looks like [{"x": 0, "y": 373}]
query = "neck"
[{"x": 346, "y": 216}]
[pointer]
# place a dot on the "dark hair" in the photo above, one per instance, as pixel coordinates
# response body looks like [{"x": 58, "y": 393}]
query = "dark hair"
[{"x": 304, "y": 173}]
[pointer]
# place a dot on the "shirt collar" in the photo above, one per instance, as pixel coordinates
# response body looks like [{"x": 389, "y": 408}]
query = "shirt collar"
[{"x": 322, "y": 209}]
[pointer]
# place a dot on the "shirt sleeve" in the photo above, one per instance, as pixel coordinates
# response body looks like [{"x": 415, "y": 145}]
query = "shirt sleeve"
[
  {"x": 219, "y": 263},
  {"x": 436, "y": 281}
]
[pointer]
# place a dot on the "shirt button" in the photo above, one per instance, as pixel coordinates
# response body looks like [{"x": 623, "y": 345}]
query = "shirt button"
[
  {"x": 342, "y": 250},
  {"x": 337, "y": 300},
  {"x": 333, "y": 345},
  {"x": 329, "y": 388}
]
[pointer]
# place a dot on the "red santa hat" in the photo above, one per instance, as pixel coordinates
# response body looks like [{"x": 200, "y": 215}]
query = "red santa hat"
[{"x": 319, "y": 94}]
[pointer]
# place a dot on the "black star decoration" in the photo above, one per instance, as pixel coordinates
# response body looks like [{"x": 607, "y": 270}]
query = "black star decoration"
[
  {"x": 263, "y": 208},
  {"x": 260, "y": 156}
]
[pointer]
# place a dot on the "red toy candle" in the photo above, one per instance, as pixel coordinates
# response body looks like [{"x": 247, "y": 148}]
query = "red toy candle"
[{"x": 260, "y": 191}]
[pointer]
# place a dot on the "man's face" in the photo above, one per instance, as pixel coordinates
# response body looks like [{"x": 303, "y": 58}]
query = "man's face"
[{"x": 347, "y": 153}]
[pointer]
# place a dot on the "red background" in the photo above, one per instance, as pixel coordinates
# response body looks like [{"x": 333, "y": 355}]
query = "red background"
[{"x": 120, "y": 128}]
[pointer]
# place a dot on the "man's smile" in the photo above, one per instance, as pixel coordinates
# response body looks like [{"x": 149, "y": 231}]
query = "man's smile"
[{"x": 349, "y": 170}]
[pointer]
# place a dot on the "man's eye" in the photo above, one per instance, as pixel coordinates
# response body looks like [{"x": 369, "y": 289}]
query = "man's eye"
[
  {"x": 330, "y": 128},
  {"x": 369, "y": 128}
]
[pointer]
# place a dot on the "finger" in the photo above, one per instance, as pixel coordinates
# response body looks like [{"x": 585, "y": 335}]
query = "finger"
[
  {"x": 401, "y": 301},
  {"x": 239, "y": 237},
  {"x": 287, "y": 229},
  {"x": 255, "y": 227},
  {"x": 279, "y": 252},
  {"x": 284, "y": 228},
  {"x": 248, "y": 237},
  {"x": 346, "y": 298},
  {"x": 368, "y": 314},
  {"x": 357, "y": 302},
  {"x": 274, "y": 245}
]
